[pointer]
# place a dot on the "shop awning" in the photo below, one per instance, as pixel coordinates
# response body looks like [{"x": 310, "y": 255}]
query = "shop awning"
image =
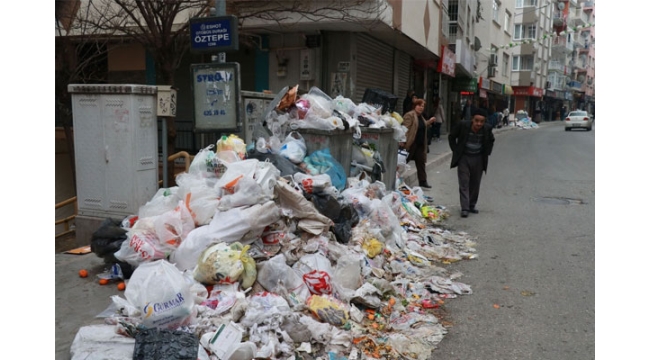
[{"x": 507, "y": 89}]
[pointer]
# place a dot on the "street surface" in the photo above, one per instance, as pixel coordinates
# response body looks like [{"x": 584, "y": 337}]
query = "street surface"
[{"x": 533, "y": 283}]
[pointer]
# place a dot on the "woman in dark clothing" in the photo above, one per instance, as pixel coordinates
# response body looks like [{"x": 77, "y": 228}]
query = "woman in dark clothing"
[{"x": 416, "y": 139}]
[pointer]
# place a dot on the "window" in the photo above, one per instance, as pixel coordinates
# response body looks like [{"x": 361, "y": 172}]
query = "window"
[
  {"x": 531, "y": 32},
  {"x": 522, "y": 63},
  {"x": 525, "y": 3},
  {"x": 495, "y": 10},
  {"x": 525, "y": 31},
  {"x": 506, "y": 64},
  {"x": 506, "y": 22},
  {"x": 518, "y": 32}
]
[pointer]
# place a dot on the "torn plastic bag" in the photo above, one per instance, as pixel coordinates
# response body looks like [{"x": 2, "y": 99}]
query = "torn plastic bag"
[
  {"x": 263, "y": 306},
  {"x": 316, "y": 271},
  {"x": 162, "y": 293},
  {"x": 275, "y": 275},
  {"x": 154, "y": 344}
]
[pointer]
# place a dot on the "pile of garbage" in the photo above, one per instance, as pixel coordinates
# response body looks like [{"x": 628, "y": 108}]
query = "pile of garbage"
[
  {"x": 523, "y": 121},
  {"x": 280, "y": 256}
]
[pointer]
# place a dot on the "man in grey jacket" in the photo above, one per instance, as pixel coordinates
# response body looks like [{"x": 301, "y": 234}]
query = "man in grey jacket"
[{"x": 471, "y": 144}]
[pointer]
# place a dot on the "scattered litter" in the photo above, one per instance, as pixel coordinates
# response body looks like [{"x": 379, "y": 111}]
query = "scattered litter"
[{"x": 260, "y": 258}]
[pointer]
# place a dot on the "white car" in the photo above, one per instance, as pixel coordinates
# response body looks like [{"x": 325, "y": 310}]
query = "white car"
[{"x": 578, "y": 119}]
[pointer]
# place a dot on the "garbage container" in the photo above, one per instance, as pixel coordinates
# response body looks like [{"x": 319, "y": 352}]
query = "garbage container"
[
  {"x": 387, "y": 147},
  {"x": 338, "y": 141}
]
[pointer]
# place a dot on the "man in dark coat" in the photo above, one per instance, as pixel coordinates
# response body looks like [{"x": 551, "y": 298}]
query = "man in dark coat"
[
  {"x": 407, "y": 105},
  {"x": 471, "y": 143}
]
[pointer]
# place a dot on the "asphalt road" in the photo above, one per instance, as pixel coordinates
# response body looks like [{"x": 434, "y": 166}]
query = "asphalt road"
[{"x": 534, "y": 281}]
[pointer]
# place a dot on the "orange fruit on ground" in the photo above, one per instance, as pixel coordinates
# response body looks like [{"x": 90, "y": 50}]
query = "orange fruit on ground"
[
  {"x": 103, "y": 281},
  {"x": 83, "y": 273},
  {"x": 121, "y": 286}
]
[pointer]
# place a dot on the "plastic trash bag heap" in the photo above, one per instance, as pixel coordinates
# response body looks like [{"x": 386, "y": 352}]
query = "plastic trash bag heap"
[{"x": 273, "y": 257}]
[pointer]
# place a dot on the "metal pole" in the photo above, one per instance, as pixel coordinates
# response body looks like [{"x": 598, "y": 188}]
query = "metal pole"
[
  {"x": 219, "y": 10},
  {"x": 164, "y": 150}
]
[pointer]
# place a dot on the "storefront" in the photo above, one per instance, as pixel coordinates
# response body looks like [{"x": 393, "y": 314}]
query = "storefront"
[
  {"x": 496, "y": 96},
  {"x": 552, "y": 105},
  {"x": 528, "y": 98},
  {"x": 442, "y": 78},
  {"x": 462, "y": 89}
]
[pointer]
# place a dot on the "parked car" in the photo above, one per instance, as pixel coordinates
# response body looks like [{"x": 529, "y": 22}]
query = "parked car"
[{"x": 578, "y": 119}]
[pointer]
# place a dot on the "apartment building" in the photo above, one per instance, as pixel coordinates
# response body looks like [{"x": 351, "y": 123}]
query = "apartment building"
[
  {"x": 493, "y": 61},
  {"x": 571, "y": 79},
  {"x": 530, "y": 60},
  {"x": 589, "y": 51}
]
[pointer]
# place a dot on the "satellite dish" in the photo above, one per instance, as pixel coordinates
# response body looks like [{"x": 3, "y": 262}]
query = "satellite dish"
[
  {"x": 560, "y": 6},
  {"x": 581, "y": 78}
]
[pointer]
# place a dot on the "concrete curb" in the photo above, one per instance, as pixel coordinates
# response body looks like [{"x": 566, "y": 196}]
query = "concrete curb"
[{"x": 410, "y": 177}]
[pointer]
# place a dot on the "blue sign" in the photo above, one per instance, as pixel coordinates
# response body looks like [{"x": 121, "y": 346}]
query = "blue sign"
[{"x": 214, "y": 34}]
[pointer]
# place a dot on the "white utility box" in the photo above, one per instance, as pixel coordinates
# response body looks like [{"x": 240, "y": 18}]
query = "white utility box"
[{"x": 116, "y": 148}]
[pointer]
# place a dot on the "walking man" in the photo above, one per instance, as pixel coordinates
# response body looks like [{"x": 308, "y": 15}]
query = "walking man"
[{"x": 471, "y": 143}]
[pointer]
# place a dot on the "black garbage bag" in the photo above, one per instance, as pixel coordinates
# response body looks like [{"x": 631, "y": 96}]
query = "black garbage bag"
[
  {"x": 348, "y": 218},
  {"x": 326, "y": 204},
  {"x": 162, "y": 344},
  {"x": 107, "y": 240},
  {"x": 283, "y": 164}
]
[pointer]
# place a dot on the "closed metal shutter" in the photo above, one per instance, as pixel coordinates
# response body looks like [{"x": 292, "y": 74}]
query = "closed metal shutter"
[
  {"x": 403, "y": 78},
  {"x": 374, "y": 66}
]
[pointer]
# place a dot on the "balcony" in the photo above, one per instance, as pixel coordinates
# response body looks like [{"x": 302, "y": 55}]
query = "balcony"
[
  {"x": 579, "y": 42},
  {"x": 557, "y": 66},
  {"x": 558, "y": 19},
  {"x": 562, "y": 45},
  {"x": 578, "y": 17},
  {"x": 557, "y": 82},
  {"x": 574, "y": 85},
  {"x": 588, "y": 5}
]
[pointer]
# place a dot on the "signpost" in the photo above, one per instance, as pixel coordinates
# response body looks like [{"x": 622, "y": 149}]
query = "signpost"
[
  {"x": 217, "y": 99},
  {"x": 215, "y": 33},
  {"x": 216, "y": 86}
]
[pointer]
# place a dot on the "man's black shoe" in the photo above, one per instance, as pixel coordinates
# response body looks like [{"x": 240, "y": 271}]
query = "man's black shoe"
[
  {"x": 425, "y": 185},
  {"x": 473, "y": 211},
  {"x": 464, "y": 213}
]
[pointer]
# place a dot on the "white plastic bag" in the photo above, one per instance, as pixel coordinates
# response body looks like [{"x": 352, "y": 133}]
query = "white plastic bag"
[
  {"x": 294, "y": 147},
  {"x": 163, "y": 294},
  {"x": 173, "y": 226},
  {"x": 277, "y": 277},
  {"x": 164, "y": 200},
  {"x": 142, "y": 244}
]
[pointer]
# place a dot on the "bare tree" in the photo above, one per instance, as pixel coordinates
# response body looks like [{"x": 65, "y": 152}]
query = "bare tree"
[
  {"x": 288, "y": 13},
  {"x": 162, "y": 26},
  {"x": 79, "y": 55}
]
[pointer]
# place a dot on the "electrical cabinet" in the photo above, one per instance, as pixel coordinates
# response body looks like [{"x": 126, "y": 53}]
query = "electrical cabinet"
[{"x": 116, "y": 148}]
